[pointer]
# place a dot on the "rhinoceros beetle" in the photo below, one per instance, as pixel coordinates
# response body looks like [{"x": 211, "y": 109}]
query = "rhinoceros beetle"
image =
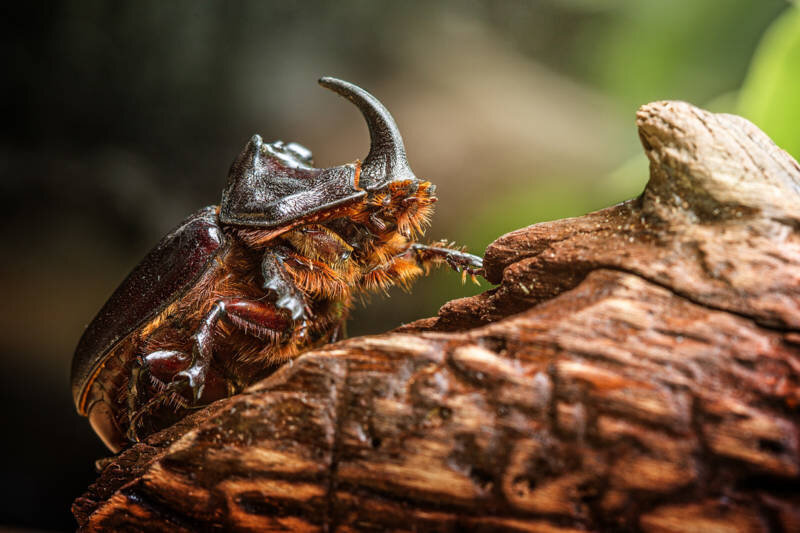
[{"x": 236, "y": 290}]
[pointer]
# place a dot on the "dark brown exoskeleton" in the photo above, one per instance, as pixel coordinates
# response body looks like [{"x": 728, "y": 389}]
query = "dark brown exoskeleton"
[{"x": 236, "y": 290}]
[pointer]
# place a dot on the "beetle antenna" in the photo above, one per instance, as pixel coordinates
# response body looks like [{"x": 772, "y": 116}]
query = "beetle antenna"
[{"x": 386, "y": 160}]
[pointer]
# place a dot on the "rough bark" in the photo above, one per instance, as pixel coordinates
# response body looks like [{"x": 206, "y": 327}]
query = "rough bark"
[{"x": 637, "y": 368}]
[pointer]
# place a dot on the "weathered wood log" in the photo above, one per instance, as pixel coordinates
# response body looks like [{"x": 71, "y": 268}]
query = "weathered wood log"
[{"x": 637, "y": 368}]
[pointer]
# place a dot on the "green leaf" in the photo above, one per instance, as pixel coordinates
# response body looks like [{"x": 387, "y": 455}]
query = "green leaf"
[{"x": 770, "y": 97}]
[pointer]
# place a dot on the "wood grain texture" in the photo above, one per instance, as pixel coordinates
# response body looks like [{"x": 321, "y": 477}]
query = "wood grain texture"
[{"x": 637, "y": 368}]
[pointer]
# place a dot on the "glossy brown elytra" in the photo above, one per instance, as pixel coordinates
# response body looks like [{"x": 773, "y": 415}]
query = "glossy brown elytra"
[{"x": 238, "y": 289}]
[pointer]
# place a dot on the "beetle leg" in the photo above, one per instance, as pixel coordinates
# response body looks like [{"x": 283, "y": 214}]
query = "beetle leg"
[
  {"x": 259, "y": 319},
  {"x": 133, "y": 394},
  {"x": 136, "y": 415},
  {"x": 338, "y": 332},
  {"x": 278, "y": 279},
  {"x": 162, "y": 366},
  {"x": 411, "y": 261},
  {"x": 458, "y": 260}
]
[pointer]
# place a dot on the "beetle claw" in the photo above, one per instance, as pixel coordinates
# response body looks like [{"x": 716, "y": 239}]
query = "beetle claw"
[
  {"x": 194, "y": 377},
  {"x": 278, "y": 280},
  {"x": 295, "y": 306}
]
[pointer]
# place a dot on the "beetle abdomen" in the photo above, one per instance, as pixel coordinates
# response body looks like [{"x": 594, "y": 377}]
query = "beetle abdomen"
[{"x": 167, "y": 271}]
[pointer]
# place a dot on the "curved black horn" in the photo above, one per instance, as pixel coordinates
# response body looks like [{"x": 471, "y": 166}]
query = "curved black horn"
[{"x": 386, "y": 160}]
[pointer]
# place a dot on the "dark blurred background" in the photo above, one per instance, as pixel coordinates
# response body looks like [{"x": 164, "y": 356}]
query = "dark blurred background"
[{"x": 118, "y": 119}]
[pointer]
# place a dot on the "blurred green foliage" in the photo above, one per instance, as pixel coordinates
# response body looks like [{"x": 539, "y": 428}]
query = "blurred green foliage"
[
  {"x": 770, "y": 96},
  {"x": 701, "y": 52},
  {"x": 736, "y": 56},
  {"x": 676, "y": 50},
  {"x": 548, "y": 200}
]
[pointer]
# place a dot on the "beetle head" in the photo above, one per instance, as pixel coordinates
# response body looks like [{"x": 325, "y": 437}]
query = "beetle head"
[{"x": 274, "y": 184}]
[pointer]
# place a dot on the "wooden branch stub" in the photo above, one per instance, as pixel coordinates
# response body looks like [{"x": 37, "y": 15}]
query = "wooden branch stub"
[
  {"x": 637, "y": 368},
  {"x": 716, "y": 223}
]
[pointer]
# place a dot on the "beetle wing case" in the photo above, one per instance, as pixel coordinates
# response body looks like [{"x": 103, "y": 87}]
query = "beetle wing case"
[
  {"x": 159, "y": 279},
  {"x": 269, "y": 186}
]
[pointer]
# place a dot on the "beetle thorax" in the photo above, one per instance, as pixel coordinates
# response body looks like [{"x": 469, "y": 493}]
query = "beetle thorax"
[{"x": 333, "y": 254}]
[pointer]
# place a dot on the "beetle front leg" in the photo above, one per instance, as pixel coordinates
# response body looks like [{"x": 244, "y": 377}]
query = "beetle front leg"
[
  {"x": 459, "y": 261},
  {"x": 195, "y": 375},
  {"x": 157, "y": 370},
  {"x": 278, "y": 279},
  {"x": 259, "y": 319}
]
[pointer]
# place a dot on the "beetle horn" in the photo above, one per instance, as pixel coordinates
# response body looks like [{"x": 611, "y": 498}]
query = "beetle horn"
[{"x": 386, "y": 160}]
